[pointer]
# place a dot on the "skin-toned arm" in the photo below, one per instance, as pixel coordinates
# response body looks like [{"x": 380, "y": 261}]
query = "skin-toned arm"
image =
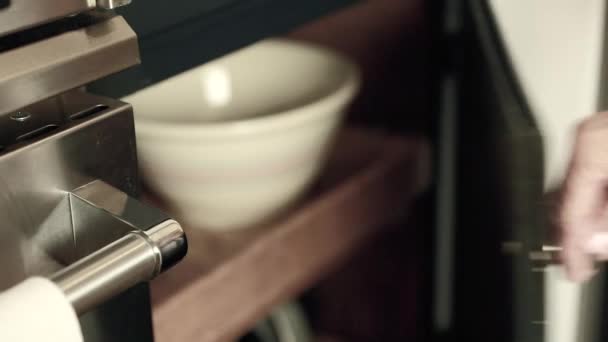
[{"x": 583, "y": 215}]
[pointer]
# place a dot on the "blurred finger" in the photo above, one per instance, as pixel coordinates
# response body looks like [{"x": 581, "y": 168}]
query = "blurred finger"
[
  {"x": 598, "y": 245},
  {"x": 579, "y": 264},
  {"x": 578, "y": 223},
  {"x": 584, "y": 200}
]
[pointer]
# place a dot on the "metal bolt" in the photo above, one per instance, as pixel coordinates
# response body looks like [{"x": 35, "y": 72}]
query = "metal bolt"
[{"x": 21, "y": 116}]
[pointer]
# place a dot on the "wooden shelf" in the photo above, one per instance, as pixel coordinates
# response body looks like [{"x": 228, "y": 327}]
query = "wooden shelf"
[{"x": 230, "y": 281}]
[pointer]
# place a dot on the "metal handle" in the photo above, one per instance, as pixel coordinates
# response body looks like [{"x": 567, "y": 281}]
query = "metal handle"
[
  {"x": 140, "y": 255},
  {"x": 547, "y": 254},
  {"x": 539, "y": 258}
]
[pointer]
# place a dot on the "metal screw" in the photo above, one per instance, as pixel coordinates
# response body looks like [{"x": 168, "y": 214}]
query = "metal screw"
[{"x": 21, "y": 116}]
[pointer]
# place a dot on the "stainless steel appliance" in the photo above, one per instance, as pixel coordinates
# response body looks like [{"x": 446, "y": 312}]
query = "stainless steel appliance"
[{"x": 68, "y": 167}]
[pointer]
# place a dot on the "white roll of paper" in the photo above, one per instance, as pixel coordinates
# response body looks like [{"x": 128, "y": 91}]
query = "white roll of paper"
[{"x": 36, "y": 310}]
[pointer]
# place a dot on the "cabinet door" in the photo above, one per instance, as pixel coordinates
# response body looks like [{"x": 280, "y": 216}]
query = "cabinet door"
[
  {"x": 498, "y": 203},
  {"x": 506, "y": 162}
]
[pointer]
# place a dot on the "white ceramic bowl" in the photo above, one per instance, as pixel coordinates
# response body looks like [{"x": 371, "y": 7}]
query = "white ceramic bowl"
[{"x": 234, "y": 142}]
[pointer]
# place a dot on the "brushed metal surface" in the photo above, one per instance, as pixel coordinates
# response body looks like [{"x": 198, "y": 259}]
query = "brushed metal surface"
[
  {"x": 137, "y": 257},
  {"x": 108, "y": 272},
  {"x": 52, "y": 66},
  {"x": 154, "y": 244},
  {"x": 111, "y": 4},
  {"x": 22, "y": 14},
  {"x": 36, "y": 177}
]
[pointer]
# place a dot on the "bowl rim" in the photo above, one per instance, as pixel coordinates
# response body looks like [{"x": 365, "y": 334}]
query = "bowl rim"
[{"x": 340, "y": 95}]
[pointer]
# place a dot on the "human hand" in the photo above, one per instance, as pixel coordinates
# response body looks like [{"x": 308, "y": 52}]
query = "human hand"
[{"x": 583, "y": 214}]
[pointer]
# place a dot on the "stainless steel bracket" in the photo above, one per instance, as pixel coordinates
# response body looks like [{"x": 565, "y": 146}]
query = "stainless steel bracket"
[
  {"x": 155, "y": 243},
  {"x": 52, "y": 66},
  {"x": 68, "y": 204}
]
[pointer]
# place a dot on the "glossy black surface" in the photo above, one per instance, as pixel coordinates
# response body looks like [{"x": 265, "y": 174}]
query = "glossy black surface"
[{"x": 499, "y": 199}]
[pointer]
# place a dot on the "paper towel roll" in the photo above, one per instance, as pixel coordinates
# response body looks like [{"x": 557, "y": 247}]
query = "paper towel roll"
[{"x": 36, "y": 310}]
